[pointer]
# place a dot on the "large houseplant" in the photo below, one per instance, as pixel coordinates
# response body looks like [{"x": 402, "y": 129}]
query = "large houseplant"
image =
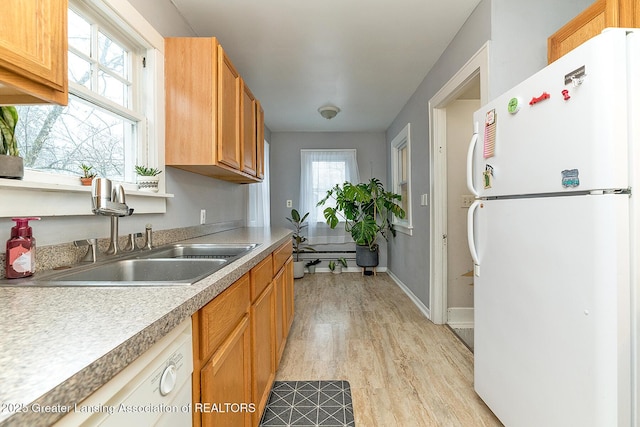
[
  {"x": 298, "y": 242},
  {"x": 11, "y": 164},
  {"x": 367, "y": 210}
]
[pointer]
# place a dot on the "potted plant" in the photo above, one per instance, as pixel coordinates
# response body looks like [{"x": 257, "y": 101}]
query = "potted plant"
[
  {"x": 298, "y": 241},
  {"x": 11, "y": 164},
  {"x": 336, "y": 266},
  {"x": 87, "y": 175},
  {"x": 311, "y": 265},
  {"x": 148, "y": 178},
  {"x": 367, "y": 210}
]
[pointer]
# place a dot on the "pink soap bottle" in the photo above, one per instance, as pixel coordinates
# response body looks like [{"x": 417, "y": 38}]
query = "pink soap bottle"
[{"x": 20, "y": 258}]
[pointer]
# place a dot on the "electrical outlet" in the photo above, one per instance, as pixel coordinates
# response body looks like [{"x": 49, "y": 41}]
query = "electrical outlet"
[
  {"x": 203, "y": 216},
  {"x": 289, "y": 203},
  {"x": 466, "y": 200},
  {"x": 424, "y": 200}
]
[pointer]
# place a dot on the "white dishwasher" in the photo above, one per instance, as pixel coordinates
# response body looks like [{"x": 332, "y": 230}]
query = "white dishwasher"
[{"x": 154, "y": 390}]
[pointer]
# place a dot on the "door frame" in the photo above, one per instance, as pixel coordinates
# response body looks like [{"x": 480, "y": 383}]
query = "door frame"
[{"x": 477, "y": 65}]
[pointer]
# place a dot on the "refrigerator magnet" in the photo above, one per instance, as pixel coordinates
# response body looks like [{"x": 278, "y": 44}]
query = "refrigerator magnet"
[
  {"x": 514, "y": 105},
  {"x": 490, "y": 134},
  {"x": 570, "y": 178},
  {"x": 487, "y": 176}
]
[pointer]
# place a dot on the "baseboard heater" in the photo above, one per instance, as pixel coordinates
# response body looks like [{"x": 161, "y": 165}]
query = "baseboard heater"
[{"x": 328, "y": 255}]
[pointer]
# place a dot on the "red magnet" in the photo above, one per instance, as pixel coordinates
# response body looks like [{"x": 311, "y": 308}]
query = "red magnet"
[
  {"x": 565, "y": 94},
  {"x": 542, "y": 97}
]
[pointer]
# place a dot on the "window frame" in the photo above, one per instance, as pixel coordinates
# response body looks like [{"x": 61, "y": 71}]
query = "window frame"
[
  {"x": 47, "y": 194},
  {"x": 400, "y": 142},
  {"x": 318, "y": 231}
]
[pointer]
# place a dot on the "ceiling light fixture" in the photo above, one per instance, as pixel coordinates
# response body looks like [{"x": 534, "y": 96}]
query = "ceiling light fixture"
[{"x": 328, "y": 111}]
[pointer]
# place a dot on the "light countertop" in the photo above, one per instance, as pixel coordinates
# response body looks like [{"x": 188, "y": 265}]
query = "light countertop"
[{"x": 58, "y": 345}]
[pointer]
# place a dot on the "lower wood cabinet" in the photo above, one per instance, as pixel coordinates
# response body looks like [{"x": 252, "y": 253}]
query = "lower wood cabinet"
[
  {"x": 239, "y": 338},
  {"x": 288, "y": 295},
  {"x": 262, "y": 333},
  {"x": 225, "y": 382}
]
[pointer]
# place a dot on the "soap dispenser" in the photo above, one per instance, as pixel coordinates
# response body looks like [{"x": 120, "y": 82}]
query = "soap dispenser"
[{"x": 20, "y": 258}]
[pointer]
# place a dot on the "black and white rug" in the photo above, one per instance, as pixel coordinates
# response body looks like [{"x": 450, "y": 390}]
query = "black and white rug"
[{"x": 309, "y": 403}]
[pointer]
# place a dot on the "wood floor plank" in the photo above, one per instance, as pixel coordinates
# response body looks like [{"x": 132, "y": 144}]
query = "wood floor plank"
[{"x": 403, "y": 369}]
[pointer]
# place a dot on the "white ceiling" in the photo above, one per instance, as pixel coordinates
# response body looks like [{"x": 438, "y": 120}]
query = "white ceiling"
[{"x": 365, "y": 56}]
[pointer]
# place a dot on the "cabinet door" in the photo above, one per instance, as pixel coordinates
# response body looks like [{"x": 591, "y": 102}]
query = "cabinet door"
[
  {"x": 263, "y": 349},
  {"x": 226, "y": 379},
  {"x": 259, "y": 140},
  {"x": 228, "y": 112},
  {"x": 279, "y": 315},
  {"x": 288, "y": 296},
  {"x": 249, "y": 149},
  {"x": 590, "y": 22},
  {"x": 190, "y": 100},
  {"x": 33, "y": 51},
  {"x": 219, "y": 317}
]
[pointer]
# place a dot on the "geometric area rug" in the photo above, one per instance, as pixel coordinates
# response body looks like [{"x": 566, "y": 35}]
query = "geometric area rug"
[{"x": 309, "y": 403}]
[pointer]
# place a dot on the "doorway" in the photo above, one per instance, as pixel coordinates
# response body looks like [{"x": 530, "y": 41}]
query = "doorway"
[{"x": 451, "y": 121}]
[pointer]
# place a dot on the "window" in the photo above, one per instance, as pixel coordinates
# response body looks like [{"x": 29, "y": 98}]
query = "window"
[
  {"x": 320, "y": 171},
  {"x": 114, "y": 119},
  {"x": 401, "y": 173},
  {"x": 100, "y": 126},
  {"x": 259, "y": 207}
]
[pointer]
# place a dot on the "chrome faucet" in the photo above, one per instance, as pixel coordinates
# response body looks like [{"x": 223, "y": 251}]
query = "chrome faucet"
[{"x": 109, "y": 201}]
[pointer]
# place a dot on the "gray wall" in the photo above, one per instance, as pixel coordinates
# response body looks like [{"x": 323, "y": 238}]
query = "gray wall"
[
  {"x": 518, "y": 30},
  {"x": 408, "y": 256},
  {"x": 285, "y": 164},
  {"x": 519, "y": 33}
]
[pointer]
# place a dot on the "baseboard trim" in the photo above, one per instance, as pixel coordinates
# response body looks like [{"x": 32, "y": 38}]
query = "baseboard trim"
[
  {"x": 346, "y": 270},
  {"x": 460, "y": 317},
  {"x": 423, "y": 308}
]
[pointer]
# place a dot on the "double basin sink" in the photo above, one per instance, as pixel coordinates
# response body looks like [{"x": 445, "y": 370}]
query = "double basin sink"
[{"x": 177, "y": 264}]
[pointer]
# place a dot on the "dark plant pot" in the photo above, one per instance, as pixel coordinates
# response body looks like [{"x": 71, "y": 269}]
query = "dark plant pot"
[
  {"x": 11, "y": 167},
  {"x": 365, "y": 257}
]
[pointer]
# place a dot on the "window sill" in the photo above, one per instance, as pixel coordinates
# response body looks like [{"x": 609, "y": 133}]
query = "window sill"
[
  {"x": 31, "y": 198},
  {"x": 403, "y": 228}
]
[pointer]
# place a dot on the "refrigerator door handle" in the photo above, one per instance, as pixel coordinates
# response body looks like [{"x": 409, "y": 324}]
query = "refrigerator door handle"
[
  {"x": 470, "y": 237},
  {"x": 472, "y": 146}
]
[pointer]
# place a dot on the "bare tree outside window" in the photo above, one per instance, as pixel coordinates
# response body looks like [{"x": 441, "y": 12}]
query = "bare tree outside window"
[{"x": 94, "y": 128}]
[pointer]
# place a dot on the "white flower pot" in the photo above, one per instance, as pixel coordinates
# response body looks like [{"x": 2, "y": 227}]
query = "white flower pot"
[
  {"x": 148, "y": 183},
  {"x": 298, "y": 269}
]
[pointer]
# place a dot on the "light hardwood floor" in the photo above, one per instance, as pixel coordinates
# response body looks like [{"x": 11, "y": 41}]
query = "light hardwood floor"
[{"x": 404, "y": 370}]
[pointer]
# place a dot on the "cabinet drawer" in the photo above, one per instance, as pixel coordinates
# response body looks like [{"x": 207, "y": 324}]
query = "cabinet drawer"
[
  {"x": 222, "y": 315},
  {"x": 281, "y": 255},
  {"x": 261, "y": 276}
]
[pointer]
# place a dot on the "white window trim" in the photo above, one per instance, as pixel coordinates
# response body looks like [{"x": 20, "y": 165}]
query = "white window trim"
[
  {"x": 45, "y": 194},
  {"x": 401, "y": 140}
]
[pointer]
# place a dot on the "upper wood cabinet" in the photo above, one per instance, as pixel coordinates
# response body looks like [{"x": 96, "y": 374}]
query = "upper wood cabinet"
[
  {"x": 229, "y": 109},
  {"x": 600, "y": 15},
  {"x": 249, "y": 136},
  {"x": 33, "y": 52},
  {"x": 259, "y": 140},
  {"x": 210, "y": 112}
]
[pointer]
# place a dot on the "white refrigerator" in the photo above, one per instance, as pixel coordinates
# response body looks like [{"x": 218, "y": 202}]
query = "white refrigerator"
[{"x": 553, "y": 233}]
